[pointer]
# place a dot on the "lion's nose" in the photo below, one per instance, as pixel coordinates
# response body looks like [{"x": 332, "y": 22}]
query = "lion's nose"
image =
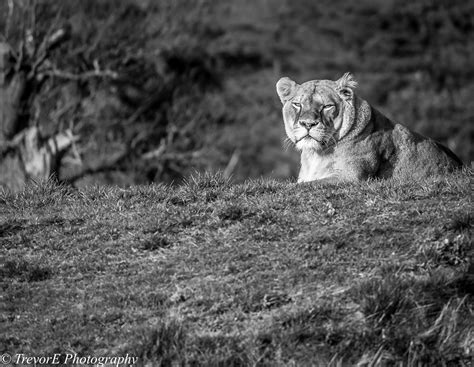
[{"x": 308, "y": 124}]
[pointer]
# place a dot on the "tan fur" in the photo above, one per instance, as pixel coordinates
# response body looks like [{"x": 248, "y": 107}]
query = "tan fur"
[{"x": 342, "y": 138}]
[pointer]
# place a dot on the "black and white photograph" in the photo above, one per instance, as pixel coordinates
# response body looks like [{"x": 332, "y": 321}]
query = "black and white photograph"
[{"x": 236, "y": 183}]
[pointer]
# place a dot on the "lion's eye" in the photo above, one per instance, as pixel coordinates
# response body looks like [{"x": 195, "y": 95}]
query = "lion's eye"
[
  {"x": 326, "y": 108},
  {"x": 296, "y": 106}
]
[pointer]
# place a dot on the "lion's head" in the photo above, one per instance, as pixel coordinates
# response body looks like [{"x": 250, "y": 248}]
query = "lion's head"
[{"x": 318, "y": 113}]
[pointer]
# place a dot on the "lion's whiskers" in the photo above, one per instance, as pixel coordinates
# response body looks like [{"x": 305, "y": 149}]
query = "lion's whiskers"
[{"x": 287, "y": 143}]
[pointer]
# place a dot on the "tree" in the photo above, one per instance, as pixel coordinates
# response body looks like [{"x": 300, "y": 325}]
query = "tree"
[{"x": 26, "y": 152}]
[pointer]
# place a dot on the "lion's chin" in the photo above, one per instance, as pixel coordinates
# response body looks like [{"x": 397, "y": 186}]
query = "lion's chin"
[{"x": 308, "y": 143}]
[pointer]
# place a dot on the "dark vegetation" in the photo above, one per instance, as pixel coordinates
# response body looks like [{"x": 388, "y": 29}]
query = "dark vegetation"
[
  {"x": 195, "y": 80},
  {"x": 262, "y": 273}
]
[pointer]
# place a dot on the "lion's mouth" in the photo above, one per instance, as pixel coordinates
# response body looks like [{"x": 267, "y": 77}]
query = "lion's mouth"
[
  {"x": 309, "y": 137},
  {"x": 320, "y": 144},
  {"x": 306, "y": 137}
]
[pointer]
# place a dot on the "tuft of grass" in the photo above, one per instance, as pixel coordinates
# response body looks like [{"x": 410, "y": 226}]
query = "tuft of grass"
[
  {"x": 161, "y": 345},
  {"x": 231, "y": 212},
  {"x": 10, "y": 227},
  {"x": 37, "y": 194},
  {"x": 460, "y": 222},
  {"x": 421, "y": 319},
  {"x": 381, "y": 299},
  {"x": 155, "y": 243},
  {"x": 219, "y": 350},
  {"x": 207, "y": 180},
  {"x": 25, "y": 271}
]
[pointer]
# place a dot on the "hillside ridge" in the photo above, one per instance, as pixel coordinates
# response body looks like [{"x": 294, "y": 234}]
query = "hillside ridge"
[{"x": 260, "y": 273}]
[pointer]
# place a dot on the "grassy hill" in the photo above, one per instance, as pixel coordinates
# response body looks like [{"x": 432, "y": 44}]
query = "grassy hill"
[{"x": 260, "y": 273}]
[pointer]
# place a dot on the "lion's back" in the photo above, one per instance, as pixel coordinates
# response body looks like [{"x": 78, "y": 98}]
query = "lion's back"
[
  {"x": 418, "y": 156},
  {"x": 386, "y": 149}
]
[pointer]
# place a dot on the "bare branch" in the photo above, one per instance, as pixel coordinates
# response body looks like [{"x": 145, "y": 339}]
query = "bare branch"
[
  {"x": 104, "y": 165},
  {"x": 86, "y": 75},
  {"x": 100, "y": 35},
  {"x": 34, "y": 31},
  {"x": 11, "y": 5},
  {"x": 156, "y": 153},
  {"x": 232, "y": 164},
  {"x": 55, "y": 35},
  {"x": 159, "y": 96},
  {"x": 21, "y": 56},
  {"x": 8, "y": 146},
  {"x": 62, "y": 141},
  {"x": 39, "y": 157},
  {"x": 29, "y": 31},
  {"x": 51, "y": 41},
  {"x": 57, "y": 38}
]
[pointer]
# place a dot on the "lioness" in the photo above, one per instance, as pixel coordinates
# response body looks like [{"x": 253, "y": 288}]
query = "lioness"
[{"x": 342, "y": 138}]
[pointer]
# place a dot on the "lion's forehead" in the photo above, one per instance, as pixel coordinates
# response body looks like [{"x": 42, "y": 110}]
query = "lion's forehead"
[{"x": 315, "y": 93}]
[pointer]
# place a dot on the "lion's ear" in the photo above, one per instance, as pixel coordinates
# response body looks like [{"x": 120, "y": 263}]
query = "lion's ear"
[
  {"x": 346, "y": 85},
  {"x": 286, "y": 89}
]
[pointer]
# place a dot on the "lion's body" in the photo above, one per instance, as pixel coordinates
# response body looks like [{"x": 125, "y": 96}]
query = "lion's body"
[
  {"x": 348, "y": 140},
  {"x": 383, "y": 149}
]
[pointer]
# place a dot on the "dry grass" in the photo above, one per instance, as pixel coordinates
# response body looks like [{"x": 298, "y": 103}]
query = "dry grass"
[{"x": 263, "y": 273}]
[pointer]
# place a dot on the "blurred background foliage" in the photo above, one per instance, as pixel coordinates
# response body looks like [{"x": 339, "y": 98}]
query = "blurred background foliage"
[{"x": 195, "y": 86}]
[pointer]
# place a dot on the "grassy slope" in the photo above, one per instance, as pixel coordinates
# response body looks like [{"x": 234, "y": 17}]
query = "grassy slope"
[{"x": 263, "y": 272}]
